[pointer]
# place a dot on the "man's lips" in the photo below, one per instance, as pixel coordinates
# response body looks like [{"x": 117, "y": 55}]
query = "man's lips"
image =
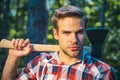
[{"x": 74, "y": 48}]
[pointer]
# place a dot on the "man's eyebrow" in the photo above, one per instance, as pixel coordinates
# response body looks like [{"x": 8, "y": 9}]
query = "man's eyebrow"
[
  {"x": 66, "y": 31},
  {"x": 80, "y": 30}
]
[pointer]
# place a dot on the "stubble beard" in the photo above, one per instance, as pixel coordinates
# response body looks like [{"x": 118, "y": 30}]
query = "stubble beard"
[{"x": 73, "y": 54}]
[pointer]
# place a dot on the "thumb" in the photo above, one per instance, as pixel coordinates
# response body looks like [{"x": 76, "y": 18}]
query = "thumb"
[{"x": 27, "y": 49}]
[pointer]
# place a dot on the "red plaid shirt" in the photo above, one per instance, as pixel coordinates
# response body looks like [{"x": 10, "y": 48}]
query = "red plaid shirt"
[{"x": 49, "y": 67}]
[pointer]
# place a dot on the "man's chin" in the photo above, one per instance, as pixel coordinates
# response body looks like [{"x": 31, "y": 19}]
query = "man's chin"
[{"x": 75, "y": 54}]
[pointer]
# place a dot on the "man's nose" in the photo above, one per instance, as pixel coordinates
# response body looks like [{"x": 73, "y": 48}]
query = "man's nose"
[{"x": 74, "y": 38}]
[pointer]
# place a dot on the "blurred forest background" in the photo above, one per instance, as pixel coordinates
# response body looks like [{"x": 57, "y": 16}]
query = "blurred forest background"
[{"x": 32, "y": 19}]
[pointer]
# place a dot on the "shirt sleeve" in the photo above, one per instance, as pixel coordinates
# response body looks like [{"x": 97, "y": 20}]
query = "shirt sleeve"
[
  {"x": 26, "y": 74},
  {"x": 110, "y": 75}
]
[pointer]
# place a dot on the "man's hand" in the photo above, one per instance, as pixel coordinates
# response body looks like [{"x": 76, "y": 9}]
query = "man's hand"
[{"x": 21, "y": 47}]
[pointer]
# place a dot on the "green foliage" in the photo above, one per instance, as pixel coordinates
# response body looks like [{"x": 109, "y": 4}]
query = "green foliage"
[
  {"x": 17, "y": 19},
  {"x": 13, "y": 24},
  {"x": 17, "y": 22}
]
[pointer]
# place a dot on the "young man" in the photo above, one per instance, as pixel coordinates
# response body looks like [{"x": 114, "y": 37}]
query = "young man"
[{"x": 70, "y": 63}]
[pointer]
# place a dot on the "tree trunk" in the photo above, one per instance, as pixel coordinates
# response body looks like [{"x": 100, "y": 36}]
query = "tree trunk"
[
  {"x": 4, "y": 27},
  {"x": 37, "y": 23},
  {"x": 103, "y": 13},
  {"x": 73, "y": 2}
]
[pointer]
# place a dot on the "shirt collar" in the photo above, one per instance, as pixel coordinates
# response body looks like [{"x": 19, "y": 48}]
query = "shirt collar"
[{"x": 86, "y": 57}]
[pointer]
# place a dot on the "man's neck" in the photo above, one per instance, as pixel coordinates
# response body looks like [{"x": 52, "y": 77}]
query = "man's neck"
[{"x": 66, "y": 59}]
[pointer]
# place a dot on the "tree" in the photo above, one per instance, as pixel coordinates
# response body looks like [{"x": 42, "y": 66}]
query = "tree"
[
  {"x": 17, "y": 18},
  {"x": 4, "y": 28},
  {"x": 37, "y": 23}
]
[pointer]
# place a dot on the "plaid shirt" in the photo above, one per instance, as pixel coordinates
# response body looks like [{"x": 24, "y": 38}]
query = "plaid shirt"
[{"x": 49, "y": 67}]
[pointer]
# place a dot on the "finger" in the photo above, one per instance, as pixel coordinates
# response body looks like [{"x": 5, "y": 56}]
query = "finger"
[
  {"x": 28, "y": 48},
  {"x": 25, "y": 43},
  {"x": 13, "y": 42},
  {"x": 16, "y": 43},
  {"x": 21, "y": 41}
]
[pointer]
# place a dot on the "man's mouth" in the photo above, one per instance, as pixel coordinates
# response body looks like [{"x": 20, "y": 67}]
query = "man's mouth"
[{"x": 74, "y": 48}]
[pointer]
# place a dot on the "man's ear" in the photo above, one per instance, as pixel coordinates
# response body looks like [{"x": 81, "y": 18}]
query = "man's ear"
[{"x": 55, "y": 33}]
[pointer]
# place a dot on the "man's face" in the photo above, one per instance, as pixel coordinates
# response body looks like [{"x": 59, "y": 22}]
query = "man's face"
[{"x": 70, "y": 35}]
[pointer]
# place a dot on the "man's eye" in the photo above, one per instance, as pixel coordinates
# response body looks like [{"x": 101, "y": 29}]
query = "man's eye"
[
  {"x": 80, "y": 32},
  {"x": 66, "y": 32}
]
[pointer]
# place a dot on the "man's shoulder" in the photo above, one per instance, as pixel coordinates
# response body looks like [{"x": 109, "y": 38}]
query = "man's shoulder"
[
  {"x": 101, "y": 65},
  {"x": 101, "y": 68}
]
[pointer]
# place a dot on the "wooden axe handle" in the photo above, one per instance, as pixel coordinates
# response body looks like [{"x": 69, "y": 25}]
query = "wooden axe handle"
[{"x": 36, "y": 47}]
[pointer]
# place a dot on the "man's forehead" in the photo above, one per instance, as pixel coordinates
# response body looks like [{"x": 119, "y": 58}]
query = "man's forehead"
[{"x": 72, "y": 29}]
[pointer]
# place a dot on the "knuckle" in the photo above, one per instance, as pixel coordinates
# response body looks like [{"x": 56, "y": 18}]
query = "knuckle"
[
  {"x": 17, "y": 39},
  {"x": 13, "y": 39},
  {"x": 27, "y": 40},
  {"x": 21, "y": 39}
]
